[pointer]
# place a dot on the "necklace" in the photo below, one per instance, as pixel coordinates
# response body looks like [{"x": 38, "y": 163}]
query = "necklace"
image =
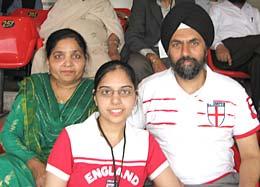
[{"x": 116, "y": 182}]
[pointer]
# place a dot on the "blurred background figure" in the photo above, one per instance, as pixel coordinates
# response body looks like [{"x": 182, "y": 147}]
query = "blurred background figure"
[
  {"x": 8, "y": 6},
  {"x": 47, "y": 4},
  {"x": 237, "y": 41},
  {"x": 95, "y": 20},
  {"x": 122, "y": 4}
]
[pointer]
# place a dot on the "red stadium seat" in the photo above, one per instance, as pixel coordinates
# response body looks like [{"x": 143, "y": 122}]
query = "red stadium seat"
[
  {"x": 123, "y": 14},
  {"x": 237, "y": 159},
  {"x": 38, "y": 16},
  {"x": 18, "y": 40},
  {"x": 233, "y": 74}
]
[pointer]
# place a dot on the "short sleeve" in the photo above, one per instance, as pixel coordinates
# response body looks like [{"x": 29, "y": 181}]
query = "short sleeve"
[
  {"x": 60, "y": 160},
  {"x": 156, "y": 161},
  {"x": 246, "y": 122}
]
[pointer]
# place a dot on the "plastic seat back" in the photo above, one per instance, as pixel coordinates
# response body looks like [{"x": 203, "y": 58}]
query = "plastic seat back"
[
  {"x": 18, "y": 40},
  {"x": 38, "y": 16},
  {"x": 230, "y": 73}
]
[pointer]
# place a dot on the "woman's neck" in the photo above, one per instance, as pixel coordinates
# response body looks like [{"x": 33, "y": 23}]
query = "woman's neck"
[
  {"x": 63, "y": 91},
  {"x": 113, "y": 132},
  {"x": 64, "y": 86}
]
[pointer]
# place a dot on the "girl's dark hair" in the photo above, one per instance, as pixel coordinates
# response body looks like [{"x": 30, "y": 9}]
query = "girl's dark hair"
[
  {"x": 61, "y": 34},
  {"x": 111, "y": 66}
]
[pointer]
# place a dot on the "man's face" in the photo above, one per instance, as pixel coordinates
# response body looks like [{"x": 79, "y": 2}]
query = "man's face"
[{"x": 187, "y": 51}]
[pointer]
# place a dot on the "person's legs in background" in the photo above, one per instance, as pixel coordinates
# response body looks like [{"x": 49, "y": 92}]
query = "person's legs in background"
[
  {"x": 254, "y": 69},
  {"x": 141, "y": 66},
  {"x": 245, "y": 53}
]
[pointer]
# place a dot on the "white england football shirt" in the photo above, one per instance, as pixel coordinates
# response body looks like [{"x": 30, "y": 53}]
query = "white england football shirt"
[{"x": 196, "y": 131}]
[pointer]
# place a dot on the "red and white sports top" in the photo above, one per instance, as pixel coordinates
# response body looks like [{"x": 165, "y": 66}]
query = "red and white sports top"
[{"x": 82, "y": 157}]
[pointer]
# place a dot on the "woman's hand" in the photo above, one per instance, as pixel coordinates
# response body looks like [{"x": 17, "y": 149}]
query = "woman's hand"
[{"x": 38, "y": 171}]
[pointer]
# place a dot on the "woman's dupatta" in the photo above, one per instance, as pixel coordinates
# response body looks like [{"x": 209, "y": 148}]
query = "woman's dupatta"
[{"x": 44, "y": 119}]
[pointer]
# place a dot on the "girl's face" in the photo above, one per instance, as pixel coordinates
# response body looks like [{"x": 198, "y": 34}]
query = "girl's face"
[
  {"x": 115, "y": 97},
  {"x": 67, "y": 61}
]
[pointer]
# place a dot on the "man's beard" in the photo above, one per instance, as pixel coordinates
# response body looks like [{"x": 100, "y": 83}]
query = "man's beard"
[
  {"x": 242, "y": 2},
  {"x": 190, "y": 71}
]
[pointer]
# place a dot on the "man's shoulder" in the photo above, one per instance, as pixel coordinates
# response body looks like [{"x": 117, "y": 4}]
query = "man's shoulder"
[
  {"x": 222, "y": 81},
  {"x": 156, "y": 79}
]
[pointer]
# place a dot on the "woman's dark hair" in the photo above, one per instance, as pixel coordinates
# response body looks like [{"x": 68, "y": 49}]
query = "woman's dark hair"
[
  {"x": 111, "y": 66},
  {"x": 61, "y": 34}
]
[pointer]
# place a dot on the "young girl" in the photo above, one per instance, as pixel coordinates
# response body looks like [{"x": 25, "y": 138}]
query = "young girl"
[{"x": 104, "y": 150}]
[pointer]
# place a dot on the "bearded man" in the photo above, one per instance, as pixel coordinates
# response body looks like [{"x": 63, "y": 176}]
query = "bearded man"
[
  {"x": 196, "y": 114},
  {"x": 237, "y": 41}
]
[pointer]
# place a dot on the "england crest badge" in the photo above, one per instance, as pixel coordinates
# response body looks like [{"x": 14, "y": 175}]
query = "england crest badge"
[{"x": 216, "y": 113}]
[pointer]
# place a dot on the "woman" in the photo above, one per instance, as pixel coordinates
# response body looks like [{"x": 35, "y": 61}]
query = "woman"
[
  {"x": 46, "y": 103},
  {"x": 95, "y": 20},
  {"x": 103, "y": 150}
]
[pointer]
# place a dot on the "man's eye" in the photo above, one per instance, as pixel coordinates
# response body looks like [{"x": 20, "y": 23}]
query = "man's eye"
[
  {"x": 194, "y": 43},
  {"x": 175, "y": 45}
]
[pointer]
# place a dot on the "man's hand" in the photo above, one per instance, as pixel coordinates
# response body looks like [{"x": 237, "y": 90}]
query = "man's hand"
[
  {"x": 38, "y": 171},
  {"x": 113, "y": 44},
  {"x": 122, "y": 15},
  {"x": 156, "y": 62},
  {"x": 113, "y": 53},
  {"x": 223, "y": 54}
]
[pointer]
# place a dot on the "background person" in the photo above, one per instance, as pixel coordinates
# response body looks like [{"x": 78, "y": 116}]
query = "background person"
[
  {"x": 8, "y": 6},
  {"x": 45, "y": 104},
  {"x": 237, "y": 41}
]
